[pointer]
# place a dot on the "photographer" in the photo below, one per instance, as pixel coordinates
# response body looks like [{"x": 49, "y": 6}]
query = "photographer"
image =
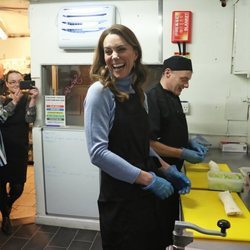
[{"x": 19, "y": 108}]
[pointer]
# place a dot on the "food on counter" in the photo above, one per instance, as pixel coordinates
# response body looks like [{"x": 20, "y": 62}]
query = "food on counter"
[
  {"x": 218, "y": 180},
  {"x": 231, "y": 208},
  {"x": 213, "y": 166},
  {"x": 225, "y": 175}
]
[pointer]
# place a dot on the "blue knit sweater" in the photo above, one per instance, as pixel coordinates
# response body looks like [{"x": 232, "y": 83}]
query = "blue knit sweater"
[{"x": 99, "y": 112}]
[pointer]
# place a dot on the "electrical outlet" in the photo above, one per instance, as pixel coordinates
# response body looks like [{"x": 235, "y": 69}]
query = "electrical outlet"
[{"x": 185, "y": 107}]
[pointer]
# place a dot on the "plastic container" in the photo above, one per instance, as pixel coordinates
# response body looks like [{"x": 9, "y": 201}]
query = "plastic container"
[
  {"x": 246, "y": 173},
  {"x": 218, "y": 180},
  {"x": 245, "y": 170}
]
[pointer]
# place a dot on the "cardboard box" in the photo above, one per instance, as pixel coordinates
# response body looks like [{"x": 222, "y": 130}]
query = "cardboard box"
[{"x": 239, "y": 147}]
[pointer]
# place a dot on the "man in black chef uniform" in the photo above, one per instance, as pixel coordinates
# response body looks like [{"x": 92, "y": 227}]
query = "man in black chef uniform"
[{"x": 169, "y": 131}]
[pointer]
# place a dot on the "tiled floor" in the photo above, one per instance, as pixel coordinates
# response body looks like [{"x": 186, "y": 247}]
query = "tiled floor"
[
  {"x": 28, "y": 235},
  {"x": 25, "y": 206}
]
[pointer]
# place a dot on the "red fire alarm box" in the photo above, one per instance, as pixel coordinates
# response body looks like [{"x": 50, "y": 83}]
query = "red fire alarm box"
[{"x": 181, "y": 26}]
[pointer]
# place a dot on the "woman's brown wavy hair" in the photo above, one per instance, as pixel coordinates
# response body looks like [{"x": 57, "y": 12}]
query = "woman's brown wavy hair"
[{"x": 99, "y": 71}]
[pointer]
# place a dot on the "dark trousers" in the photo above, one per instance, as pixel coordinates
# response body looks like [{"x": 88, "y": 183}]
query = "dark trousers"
[
  {"x": 130, "y": 225},
  {"x": 9, "y": 196},
  {"x": 169, "y": 210}
]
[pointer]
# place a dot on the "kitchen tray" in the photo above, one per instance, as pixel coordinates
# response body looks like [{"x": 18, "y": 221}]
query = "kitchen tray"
[
  {"x": 204, "y": 208},
  {"x": 197, "y": 173}
]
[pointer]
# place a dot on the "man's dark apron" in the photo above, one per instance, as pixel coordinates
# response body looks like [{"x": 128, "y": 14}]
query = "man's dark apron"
[
  {"x": 128, "y": 216},
  {"x": 174, "y": 132}
]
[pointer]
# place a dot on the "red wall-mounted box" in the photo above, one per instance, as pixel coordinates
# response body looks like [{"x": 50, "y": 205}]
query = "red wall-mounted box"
[{"x": 181, "y": 26}]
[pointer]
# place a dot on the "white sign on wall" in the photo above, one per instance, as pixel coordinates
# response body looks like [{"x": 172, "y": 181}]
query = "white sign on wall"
[
  {"x": 55, "y": 110},
  {"x": 81, "y": 26}
]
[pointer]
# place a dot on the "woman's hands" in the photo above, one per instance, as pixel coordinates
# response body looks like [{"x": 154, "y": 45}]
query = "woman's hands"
[
  {"x": 178, "y": 179},
  {"x": 16, "y": 96},
  {"x": 160, "y": 187},
  {"x": 34, "y": 92}
]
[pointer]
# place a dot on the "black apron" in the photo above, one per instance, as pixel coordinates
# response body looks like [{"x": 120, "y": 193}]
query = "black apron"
[
  {"x": 174, "y": 133},
  {"x": 15, "y": 132},
  {"x": 128, "y": 215}
]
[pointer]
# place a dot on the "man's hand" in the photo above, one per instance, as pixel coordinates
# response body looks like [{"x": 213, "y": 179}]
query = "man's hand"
[
  {"x": 192, "y": 156},
  {"x": 196, "y": 145}
]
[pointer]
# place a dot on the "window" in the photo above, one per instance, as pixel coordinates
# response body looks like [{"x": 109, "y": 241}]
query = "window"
[{"x": 73, "y": 81}]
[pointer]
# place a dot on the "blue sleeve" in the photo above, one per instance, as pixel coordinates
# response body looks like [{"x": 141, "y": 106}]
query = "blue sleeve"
[{"x": 99, "y": 109}]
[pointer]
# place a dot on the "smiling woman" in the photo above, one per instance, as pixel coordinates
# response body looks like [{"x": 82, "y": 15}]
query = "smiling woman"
[
  {"x": 20, "y": 110},
  {"x": 117, "y": 135},
  {"x": 119, "y": 55}
]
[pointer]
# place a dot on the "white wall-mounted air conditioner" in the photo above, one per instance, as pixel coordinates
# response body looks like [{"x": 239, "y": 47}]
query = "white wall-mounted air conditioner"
[{"x": 81, "y": 26}]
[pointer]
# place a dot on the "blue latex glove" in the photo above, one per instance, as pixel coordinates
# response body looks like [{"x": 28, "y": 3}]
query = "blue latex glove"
[
  {"x": 196, "y": 145},
  {"x": 192, "y": 155},
  {"x": 160, "y": 187},
  {"x": 178, "y": 179}
]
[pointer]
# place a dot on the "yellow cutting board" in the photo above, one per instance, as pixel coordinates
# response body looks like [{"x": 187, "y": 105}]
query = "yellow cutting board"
[
  {"x": 197, "y": 173},
  {"x": 204, "y": 208}
]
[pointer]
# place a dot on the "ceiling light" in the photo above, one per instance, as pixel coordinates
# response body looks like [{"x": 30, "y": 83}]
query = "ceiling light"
[{"x": 3, "y": 33}]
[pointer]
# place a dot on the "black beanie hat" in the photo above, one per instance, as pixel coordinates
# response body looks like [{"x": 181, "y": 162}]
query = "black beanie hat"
[{"x": 177, "y": 63}]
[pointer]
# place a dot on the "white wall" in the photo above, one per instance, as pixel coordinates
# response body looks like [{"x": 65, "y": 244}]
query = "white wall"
[
  {"x": 138, "y": 15},
  {"x": 216, "y": 96}
]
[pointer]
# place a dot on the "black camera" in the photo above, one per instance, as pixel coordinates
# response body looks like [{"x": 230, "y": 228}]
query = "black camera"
[{"x": 27, "y": 84}]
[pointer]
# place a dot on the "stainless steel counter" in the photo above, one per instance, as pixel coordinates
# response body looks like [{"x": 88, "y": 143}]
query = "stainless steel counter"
[{"x": 234, "y": 161}]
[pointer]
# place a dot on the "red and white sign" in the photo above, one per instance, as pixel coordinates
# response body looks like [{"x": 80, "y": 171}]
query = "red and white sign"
[{"x": 181, "y": 26}]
